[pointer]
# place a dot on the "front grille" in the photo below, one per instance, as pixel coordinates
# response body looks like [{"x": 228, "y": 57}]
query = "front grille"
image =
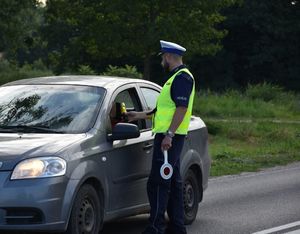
[{"x": 20, "y": 216}]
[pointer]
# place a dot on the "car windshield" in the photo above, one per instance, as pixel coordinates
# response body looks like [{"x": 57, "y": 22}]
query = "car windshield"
[{"x": 48, "y": 108}]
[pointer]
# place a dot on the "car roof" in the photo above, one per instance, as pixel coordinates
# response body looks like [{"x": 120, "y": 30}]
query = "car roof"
[{"x": 99, "y": 81}]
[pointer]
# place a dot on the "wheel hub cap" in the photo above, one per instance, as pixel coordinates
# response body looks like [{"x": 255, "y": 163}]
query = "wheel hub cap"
[
  {"x": 86, "y": 217},
  {"x": 189, "y": 195}
]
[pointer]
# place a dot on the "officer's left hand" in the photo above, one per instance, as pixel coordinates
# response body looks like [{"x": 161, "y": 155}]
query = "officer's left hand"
[
  {"x": 166, "y": 143},
  {"x": 132, "y": 116}
]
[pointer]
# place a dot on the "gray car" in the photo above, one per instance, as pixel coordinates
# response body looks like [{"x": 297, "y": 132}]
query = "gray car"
[{"x": 69, "y": 161}]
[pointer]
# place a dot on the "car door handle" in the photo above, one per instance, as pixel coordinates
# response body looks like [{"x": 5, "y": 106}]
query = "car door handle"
[{"x": 148, "y": 146}]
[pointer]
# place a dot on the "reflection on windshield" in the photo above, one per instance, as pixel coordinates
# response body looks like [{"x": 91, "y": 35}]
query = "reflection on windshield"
[{"x": 61, "y": 108}]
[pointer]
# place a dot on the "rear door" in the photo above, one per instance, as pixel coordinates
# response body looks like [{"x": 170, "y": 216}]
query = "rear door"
[{"x": 149, "y": 94}]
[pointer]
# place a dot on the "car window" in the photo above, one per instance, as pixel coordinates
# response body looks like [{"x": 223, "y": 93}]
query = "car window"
[
  {"x": 63, "y": 108},
  {"x": 132, "y": 103},
  {"x": 151, "y": 96},
  {"x": 126, "y": 98}
]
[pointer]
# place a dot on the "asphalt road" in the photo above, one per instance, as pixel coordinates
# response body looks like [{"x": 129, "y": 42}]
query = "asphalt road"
[{"x": 248, "y": 203}]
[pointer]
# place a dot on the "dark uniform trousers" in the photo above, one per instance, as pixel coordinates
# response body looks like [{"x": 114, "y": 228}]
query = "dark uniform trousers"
[{"x": 166, "y": 194}]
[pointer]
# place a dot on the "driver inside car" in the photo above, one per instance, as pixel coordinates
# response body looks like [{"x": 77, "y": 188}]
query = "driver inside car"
[{"x": 117, "y": 115}]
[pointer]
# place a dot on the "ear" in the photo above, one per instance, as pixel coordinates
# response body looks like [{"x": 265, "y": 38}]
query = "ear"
[{"x": 167, "y": 57}]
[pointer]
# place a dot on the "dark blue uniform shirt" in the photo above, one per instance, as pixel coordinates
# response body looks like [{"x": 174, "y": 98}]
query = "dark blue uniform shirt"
[{"x": 181, "y": 87}]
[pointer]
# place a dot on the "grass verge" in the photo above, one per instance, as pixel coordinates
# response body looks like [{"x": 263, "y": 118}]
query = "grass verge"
[
  {"x": 250, "y": 130},
  {"x": 237, "y": 146}
]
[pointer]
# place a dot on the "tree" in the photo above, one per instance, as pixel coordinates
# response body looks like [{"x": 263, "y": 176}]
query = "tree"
[
  {"x": 88, "y": 31},
  {"x": 18, "y": 22},
  {"x": 262, "y": 44}
]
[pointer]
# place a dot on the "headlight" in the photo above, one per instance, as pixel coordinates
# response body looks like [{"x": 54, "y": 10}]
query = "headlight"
[{"x": 39, "y": 168}]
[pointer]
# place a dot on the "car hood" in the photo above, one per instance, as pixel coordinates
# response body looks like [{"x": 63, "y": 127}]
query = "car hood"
[{"x": 15, "y": 147}]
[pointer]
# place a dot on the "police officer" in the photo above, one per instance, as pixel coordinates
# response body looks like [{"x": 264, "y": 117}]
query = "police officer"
[{"x": 171, "y": 119}]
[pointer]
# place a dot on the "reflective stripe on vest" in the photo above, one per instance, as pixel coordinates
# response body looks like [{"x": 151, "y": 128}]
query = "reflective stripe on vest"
[{"x": 166, "y": 108}]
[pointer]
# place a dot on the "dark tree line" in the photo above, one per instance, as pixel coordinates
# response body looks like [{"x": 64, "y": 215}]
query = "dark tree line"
[
  {"x": 263, "y": 44},
  {"x": 230, "y": 43}
]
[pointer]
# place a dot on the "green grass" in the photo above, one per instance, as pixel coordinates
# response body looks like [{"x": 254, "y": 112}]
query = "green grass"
[
  {"x": 251, "y": 130},
  {"x": 237, "y": 105},
  {"x": 237, "y": 147}
]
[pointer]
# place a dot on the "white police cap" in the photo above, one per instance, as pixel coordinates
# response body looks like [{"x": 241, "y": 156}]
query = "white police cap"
[{"x": 170, "y": 47}]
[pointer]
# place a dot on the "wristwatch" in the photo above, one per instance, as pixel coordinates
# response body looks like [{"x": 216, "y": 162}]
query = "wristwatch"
[{"x": 169, "y": 133}]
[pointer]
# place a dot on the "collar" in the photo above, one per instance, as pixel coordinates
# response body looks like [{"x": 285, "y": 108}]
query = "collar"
[{"x": 171, "y": 73}]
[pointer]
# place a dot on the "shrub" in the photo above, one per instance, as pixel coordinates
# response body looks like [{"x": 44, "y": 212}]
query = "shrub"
[
  {"x": 10, "y": 72},
  {"x": 39, "y": 65},
  {"x": 86, "y": 70},
  {"x": 5, "y": 66},
  {"x": 127, "y": 71}
]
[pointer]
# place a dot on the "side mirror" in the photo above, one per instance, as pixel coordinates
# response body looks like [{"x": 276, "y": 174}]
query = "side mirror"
[{"x": 123, "y": 131}]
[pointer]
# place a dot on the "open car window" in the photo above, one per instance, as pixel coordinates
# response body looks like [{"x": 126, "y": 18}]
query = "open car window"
[{"x": 129, "y": 98}]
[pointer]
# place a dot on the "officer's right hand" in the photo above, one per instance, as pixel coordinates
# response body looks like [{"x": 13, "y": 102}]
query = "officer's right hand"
[{"x": 166, "y": 143}]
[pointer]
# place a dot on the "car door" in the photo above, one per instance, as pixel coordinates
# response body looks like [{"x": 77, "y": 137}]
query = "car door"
[{"x": 129, "y": 160}]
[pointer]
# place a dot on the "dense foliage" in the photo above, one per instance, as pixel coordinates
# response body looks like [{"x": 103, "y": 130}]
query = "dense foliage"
[
  {"x": 230, "y": 43},
  {"x": 262, "y": 45}
]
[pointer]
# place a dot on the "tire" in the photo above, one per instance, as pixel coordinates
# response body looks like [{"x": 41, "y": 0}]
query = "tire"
[
  {"x": 190, "y": 197},
  {"x": 87, "y": 212}
]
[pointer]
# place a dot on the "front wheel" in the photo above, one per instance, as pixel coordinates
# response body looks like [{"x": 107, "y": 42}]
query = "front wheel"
[
  {"x": 87, "y": 212},
  {"x": 190, "y": 197}
]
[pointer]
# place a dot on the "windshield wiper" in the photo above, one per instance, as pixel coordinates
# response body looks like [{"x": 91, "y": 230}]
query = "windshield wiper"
[
  {"x": 31, "y": 128},
  {"x": 5, "y": 129}
]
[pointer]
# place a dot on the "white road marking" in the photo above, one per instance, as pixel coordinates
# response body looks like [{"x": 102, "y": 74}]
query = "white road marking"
[
  {"x": 293, "y": 232},
  {"x": 281, "y": 228}
]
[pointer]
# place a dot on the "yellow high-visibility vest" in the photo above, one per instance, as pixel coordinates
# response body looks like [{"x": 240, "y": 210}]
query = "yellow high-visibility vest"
[{"x": 166, "y": 108}]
